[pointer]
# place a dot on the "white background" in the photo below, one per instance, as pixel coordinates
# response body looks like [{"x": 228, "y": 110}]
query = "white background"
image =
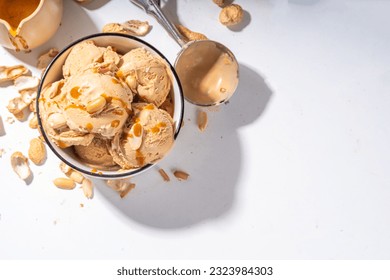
[{"x": 296, "y": 166}]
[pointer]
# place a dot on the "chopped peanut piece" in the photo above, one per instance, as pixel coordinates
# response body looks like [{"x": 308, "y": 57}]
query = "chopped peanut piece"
[
  {"x": 181, "y": 175},
  {"x": 202, "y": 120},
  {"x": 126, "y": 190},
  {"x": 164, "y": 175}
]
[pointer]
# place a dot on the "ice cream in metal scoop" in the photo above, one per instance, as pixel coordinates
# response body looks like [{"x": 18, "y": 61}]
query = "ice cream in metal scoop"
[{"x": 208, "y": 71}]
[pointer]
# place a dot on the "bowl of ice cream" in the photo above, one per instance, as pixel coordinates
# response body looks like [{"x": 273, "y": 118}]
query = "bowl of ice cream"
[{"x": 110, "y": 105}]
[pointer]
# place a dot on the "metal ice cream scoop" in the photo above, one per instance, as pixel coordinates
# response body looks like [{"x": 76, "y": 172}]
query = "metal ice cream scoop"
[{"x": 208, "y": 71}]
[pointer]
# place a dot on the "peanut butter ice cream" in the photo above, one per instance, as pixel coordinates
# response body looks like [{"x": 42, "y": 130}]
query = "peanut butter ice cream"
[
  {"x": 147, "y": 137},
  {"x": 96, "y": 154},
  {"x": 146, "y": 75},
  {"x": 96, "y": 103},
  {"x": 87, "y": 56},
  {"x": 96, "y": 109}
]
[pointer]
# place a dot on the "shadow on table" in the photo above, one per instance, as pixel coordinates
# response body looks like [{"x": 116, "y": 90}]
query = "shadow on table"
[
  {"x": 212, "y": 158},
  {"x": 75, "y": 24}
]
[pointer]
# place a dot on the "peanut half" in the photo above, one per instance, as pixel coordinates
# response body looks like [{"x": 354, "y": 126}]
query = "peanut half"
[
  {"x": 64, "y": 183},
  {"x": 96, "y": 105},
  {"x": 87, "y": 187},
  {"x": 164, "y": 175},
  {"x": 37, "y": 151},
  {"x": 181, "y": 175}
]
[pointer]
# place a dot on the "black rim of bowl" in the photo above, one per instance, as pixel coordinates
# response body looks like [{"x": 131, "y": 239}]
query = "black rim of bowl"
[{"x": 96, "y": 174}]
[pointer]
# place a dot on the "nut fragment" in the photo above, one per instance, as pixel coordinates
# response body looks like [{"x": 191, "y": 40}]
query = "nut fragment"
[
  {"x": 16, "y": 105},
  {"x": 64, "y": 183},
  {"x": 76, "y": 176},
  {"x": 10, "y": 120},
  {"x": 134, "y": 137},
  {"x": 37, "y": 151},
  {"x": 96, "y": 105},
  {"x": 26, "y": 82},
  {"x": 56, "y": 120},
  {"x": 87, "y": 187},
  {"x": 33, "y": 106},
  {"x": 181, "y": 175},
  {"x": 131, "y": 81},
  {"x": 164, "y": 175},
  {"x": 9, "y": 73},
  {"x": 19, "y": 115},
  {"x": 71, "y": 173},
  {"x": 202, "y": 120},
  {"x": 65, "y": 168},
  {"x": 28, "y": 95},
  {"x": 189, "y": 34},
  {"x": 131, "y": 27},
  {"x": 20, "y": 165},
  {"x": 46, "y": 58},
  {"x": 231, "y": 15},
  {"x": 33, "y": 122}
]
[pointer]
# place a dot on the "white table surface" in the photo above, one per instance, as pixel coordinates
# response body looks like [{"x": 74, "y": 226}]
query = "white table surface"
[{"x": 296, "y": 166}]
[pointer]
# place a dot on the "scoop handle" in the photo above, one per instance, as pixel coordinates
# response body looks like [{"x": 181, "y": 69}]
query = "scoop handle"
[{"x": 152, "y": 8}]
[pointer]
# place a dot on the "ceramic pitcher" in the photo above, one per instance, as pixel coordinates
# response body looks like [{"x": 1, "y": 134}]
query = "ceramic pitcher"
[{"x": 26, "y": 24}]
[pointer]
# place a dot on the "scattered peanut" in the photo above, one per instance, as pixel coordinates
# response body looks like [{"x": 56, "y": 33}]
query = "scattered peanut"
[
  {"x": 202, "y": 120},
  {"x": 190, "y": 35},
  {"x": 65, "y": 168},
  {"x": 19, "y": 115},
  {"x": 33, "y": 123},
  {"x": 76, "y": 176},
  {"x": 231, "y": 15},
  {"x": 71, "y": 173},
  {"x": 9, "y": 73},
  {"x": 26, "y": 82},
  {"x": 87, "y": 187},
  {"x": 46, "y": 58},
  {"x": 20, "y": 165},
  {"x": 164, "y": 175},
  {"x": 64, "y": 183},
  {"x": 33, "y": 106},
  {"x": 16, "y": 105},
  {"x": 37, "y": 151},
  {"x": 181, "y": 175}
]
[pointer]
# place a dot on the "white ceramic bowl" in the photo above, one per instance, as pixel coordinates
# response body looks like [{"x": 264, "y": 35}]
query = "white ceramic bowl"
[{"x": 122, "y": 43}]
